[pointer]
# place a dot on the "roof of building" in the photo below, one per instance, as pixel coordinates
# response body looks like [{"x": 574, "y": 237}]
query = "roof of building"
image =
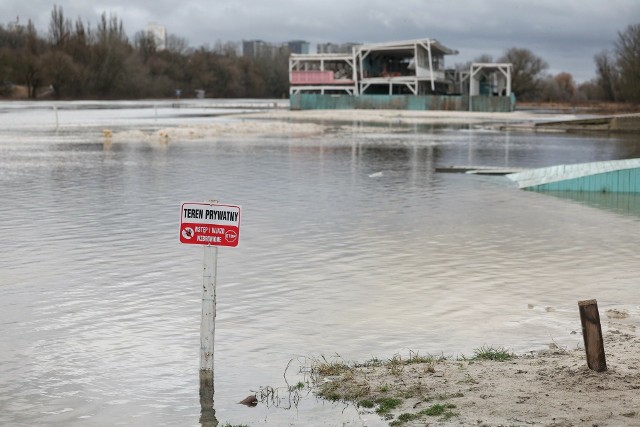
[{"x": 408, "y": 44}]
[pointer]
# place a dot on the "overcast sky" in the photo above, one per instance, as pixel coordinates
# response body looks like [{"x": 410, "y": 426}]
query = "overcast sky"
[{"x": 565, "y": 33}]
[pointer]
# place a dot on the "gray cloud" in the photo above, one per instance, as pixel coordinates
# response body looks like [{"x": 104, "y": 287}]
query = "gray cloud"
[{"x": 566, "y": 33}]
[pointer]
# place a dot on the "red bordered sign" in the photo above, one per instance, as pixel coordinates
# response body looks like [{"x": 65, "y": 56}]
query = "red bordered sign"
[{"x": 209, "y": 224}]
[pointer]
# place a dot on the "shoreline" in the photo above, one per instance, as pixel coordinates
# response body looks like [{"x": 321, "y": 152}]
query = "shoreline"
[
  {"x": 552, "y": 387},
  {"x": 309, "y": 123},
  {"x": 409, "y": 116}
]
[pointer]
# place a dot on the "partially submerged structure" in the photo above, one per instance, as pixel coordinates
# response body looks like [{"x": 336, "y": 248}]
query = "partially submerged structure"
[
  {"x": 614, "y": 176},
  {"x": 404, "y": 75}
]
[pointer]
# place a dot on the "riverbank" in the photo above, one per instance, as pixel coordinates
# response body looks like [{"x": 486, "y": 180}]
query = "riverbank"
[
  {"x": 287, "y": 123},
  {"x": 409, "y": 116},
  {"x": 494, "y": 388}
]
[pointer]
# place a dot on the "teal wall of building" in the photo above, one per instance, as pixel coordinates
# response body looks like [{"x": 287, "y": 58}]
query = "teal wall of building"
[
  {"x": 306, "y": 101},
  {"x": 621, "y": 181}
]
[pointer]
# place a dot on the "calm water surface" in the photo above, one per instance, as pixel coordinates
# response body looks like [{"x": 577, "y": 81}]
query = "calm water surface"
[{"x": 351, "y": 245}]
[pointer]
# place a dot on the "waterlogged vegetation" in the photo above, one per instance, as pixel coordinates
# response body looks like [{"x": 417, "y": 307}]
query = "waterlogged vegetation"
[{"x": 336, "y": 380}]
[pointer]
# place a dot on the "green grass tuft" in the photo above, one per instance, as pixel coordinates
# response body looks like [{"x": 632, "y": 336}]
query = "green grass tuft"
[
  {"x": 366, "y": 403},
  {"x": 406, "y": 417},
  {"x": 437, "y": 409},
  {"x": 387, "y": 404},
  {"x": 499, "y": 354}
]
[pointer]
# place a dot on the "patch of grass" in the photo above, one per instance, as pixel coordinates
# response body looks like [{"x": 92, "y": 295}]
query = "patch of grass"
[
  {"x": 366, "y": 403},
  {"x": 346, "y": 390},
  {"x": 395, "y": 365},
  {"x": 444, "y": 396},
  {"x": 404, "y": 418},
  {"x": 330, "y": 391},
  {"x": 437, "y": 410},
  {"x": 387, "y": 404},
  {"x": 298, "y": 386},
  {"x": 384, "y": 389},
  {"x": 374, "y": 362},
  {"x": 330, "y": 368},
  {"x": 414, "y": 357},
  {"x": 499, "y": 354},
  {"x": 332, "y": 396},
  {"x": 397, "y": 361},
  {"x": 407, "y": 417},
  {"x": 448, "y": 415}
]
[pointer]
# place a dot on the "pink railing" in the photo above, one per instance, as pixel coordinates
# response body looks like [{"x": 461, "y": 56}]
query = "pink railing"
[{"x": 316, "y": 77}]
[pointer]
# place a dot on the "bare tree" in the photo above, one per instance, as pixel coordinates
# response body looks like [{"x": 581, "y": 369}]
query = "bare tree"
[
  {"x": 109, "y": 59},
  {"x": 61, "y": 72},
  {"x": 145, "y": 44},
  {"x": 28, "y": 62},
  {"x": 527, "y": 71},
  {"x": 59, "y": 27},
  {"x": 607, "y": 75},
  {"x": 177, "y": 44},
  {"x": 589, "y": 91},
  {"x": 566, "y": 86},
  {"x": 627, "y": 50}
]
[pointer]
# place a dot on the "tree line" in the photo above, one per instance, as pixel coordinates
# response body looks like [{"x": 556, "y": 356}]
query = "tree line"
[
  {"x": 617, "y": 74},
  {"x": 76, "y": 61}
]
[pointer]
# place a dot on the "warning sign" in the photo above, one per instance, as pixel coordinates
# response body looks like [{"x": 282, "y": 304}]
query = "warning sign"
[{"x": 209, "y": 224}]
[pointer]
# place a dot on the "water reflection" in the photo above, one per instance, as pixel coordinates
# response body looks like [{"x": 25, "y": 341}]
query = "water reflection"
[
  {"x": 207, "y": 411},
  {"x": 622, "y": 203}
]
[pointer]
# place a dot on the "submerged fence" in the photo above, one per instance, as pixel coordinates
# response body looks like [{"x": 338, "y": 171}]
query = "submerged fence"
[{"x": 498, "y": 104}]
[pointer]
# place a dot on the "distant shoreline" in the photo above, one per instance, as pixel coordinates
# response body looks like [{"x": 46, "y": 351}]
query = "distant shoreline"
[{"x": 308, "y": 123}]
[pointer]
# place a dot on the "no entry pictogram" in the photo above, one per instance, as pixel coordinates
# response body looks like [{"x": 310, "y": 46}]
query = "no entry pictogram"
[{"x": 209, "y": 224}]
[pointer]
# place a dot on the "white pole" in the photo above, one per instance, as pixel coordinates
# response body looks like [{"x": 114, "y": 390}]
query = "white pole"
[
  {"x": 207, "y": 326},
  {"x": 55, "y": 109}
]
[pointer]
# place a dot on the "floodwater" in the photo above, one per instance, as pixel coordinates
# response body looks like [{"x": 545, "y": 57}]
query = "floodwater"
[{"x": 351, "y": 245}]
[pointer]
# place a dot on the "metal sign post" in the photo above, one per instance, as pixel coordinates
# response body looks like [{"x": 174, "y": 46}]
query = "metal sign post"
[
  {"x": 208, "y": 321},
  {"x": 212, "y": 225}
]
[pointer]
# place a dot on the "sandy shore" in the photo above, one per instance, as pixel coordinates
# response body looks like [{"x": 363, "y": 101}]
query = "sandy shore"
[
  {"x": 286, "y": 123},
  {"x": 410, "y": 116},
  {"x": 549, "y": 388}
]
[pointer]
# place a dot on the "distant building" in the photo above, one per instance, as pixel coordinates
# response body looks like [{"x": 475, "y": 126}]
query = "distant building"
[
  {"x": 15, "y": 26},
  {"x": 158, "y": 33},
  {"x": 298, "y": 46},
  {"x": 335, "y": 48},
  {"x": 261, "y": 48},
  {"x": 407, "y": 74},
  {"x": 255, "y": 48}
]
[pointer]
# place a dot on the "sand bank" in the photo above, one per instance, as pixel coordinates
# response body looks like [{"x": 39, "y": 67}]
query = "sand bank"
[
  {"x": 408, "y": 116},
  {"x": 548, "y": 388},
  {"x": 236, "y": 128},
  {"x": 286, "y": 123}
]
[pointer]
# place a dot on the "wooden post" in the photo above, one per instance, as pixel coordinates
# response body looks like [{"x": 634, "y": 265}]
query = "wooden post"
[
  {"x": 207, "y": 325},
  {"x": 592, "y": 334}
]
